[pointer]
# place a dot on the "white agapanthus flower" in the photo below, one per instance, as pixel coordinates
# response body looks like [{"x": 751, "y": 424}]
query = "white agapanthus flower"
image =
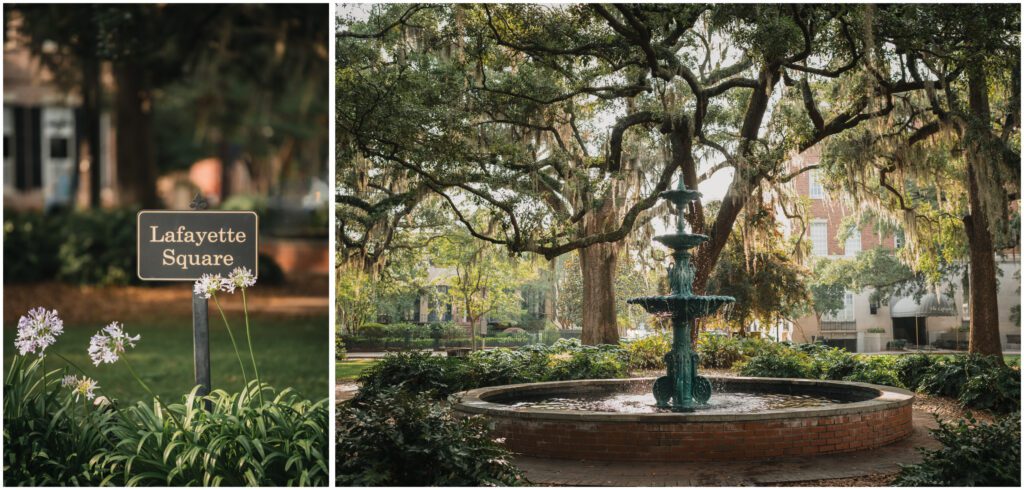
[
  {"x": 209, "y": 284},
  {"x": 38, "y": 330},
  {"x": 242, "y": 277},
  {"x": 84, "y": 387},
  {"x": 108, "y": 344},
  {"x": 80, "y": 387}
]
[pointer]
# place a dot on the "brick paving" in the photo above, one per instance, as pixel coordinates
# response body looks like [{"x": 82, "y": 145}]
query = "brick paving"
[{"x": 782, "y": 470}]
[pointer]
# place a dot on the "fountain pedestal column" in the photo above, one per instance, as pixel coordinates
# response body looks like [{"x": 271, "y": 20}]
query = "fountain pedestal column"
[{"x": 681, "y": 390}]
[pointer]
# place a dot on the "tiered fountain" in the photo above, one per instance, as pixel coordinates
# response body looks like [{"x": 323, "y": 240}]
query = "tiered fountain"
[
  {"x": 682, "y": 389},
  {"x": 744, "y": 419}
]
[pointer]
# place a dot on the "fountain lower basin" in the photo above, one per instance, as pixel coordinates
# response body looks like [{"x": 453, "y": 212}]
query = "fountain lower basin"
[{"x": 851, "y": 417}]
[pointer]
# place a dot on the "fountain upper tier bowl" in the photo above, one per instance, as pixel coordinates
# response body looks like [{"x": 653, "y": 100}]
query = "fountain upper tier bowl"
[
  {"x": 688, "y": 305},
  {"x": 830, "y": 417}
]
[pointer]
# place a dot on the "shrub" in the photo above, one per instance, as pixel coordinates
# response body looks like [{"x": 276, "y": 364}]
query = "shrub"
[
  {"x": 339, "y": 348},
  {"x": 719, "y": 351},
  {"x": 833, "y": 362},
  {"x": 977, "y": 381},
  {"x": 752, "y": 346},
  {"x": 779, "y": 363},
  {"x": 86, "y": 247},
  {"x": 31, "y": 241},
  {"x": 422, "y": 372},
  {"x": 415, "y": 372},
  {"x": 911, "y": 368},
  {"x": 373, "y": 330},
  {"x": 996, "y": 389},
  {"x": 584, "y": 362},
  {"x": 879, "y": 370},
  {"x": 407, "y": 331},
  {"x": 282, "y": 442},
  {"x": 270, "y": 271},
  {"x": 898, "y": 344},
  {"x": 972, "y": 454},
  {"x": 399, "y": 438},
  {"x": 648, "y": 352},
  {"x": 49, "y": 439}
]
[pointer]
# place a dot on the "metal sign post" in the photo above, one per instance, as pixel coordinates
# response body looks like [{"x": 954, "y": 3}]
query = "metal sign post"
[
  {"x": 184, "y": 245},
  {"x": 201, "y": 330}
]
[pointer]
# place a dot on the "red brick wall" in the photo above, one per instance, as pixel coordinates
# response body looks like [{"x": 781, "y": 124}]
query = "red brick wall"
[
  {"x": 710, "y": 441},
  {"x": 833, "y": 211}
]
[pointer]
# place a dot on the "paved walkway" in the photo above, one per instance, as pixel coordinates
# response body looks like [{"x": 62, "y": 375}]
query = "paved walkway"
[{"x": 554, "y": 472}]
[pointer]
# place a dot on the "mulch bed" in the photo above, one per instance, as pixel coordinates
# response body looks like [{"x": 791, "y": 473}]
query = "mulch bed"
[{"x": 91, "y": 304}]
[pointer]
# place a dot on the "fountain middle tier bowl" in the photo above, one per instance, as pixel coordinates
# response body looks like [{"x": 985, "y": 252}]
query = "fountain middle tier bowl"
[
  {"x": 681, "y": 241},
  {"x": 686, "y": 306},
  {"x": 745, "y": 419}
]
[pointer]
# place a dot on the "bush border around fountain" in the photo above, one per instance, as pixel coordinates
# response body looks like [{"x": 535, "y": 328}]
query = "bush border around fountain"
[{"x": 672, "y": 436}]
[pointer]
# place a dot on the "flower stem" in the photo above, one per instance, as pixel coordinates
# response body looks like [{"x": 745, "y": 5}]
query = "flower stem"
[
  {"x": 42, "y": 359},
  {"x": 252, "y": 355},
  {"x": 232, "y": 336},
  {"x": 157, "y": 398}
]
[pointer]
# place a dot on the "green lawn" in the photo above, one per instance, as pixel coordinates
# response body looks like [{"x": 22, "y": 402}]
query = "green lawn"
[
  {"x": 349, "y": 370},
  {"x": 290, "y": 353}
]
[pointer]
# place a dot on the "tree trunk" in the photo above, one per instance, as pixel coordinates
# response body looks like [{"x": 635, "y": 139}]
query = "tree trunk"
[
  {"x": 746, "y": 178},
  {"x": 89, "y": 148},
  {"x": 984, "y": 336},
  {"x": 136, "y": 158},
  {"x": 598, "y": 266},
  {"x": 598, "y": 263}
]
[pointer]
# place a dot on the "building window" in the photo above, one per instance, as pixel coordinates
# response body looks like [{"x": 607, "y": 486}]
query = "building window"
[
  {"x": 819, "y": 238},
  {"x": 897, "y": 239},
  {"x": 816, "y": 190},
  {"x": 846, "y": 314},
  {"x": 852, "y": 246},
  {"x": 58, "y": 148}
]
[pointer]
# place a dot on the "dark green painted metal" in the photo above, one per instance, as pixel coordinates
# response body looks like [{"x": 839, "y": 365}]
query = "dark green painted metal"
[{"x": 682, "y": 390}]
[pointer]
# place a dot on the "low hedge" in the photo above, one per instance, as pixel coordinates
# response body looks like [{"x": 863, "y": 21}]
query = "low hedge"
[
  {"x": 976, "y": 381},
  {"x": 443, "y": 376}
]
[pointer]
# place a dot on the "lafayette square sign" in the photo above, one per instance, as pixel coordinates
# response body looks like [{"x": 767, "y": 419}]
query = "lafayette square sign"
[{"x": 184, "y": 245}]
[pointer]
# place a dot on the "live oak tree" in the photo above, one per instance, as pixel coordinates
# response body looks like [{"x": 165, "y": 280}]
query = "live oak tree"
[
  {"x": 482, "y": 280},
  {"x": 763, "y": 275},
  {"x": 949, "y": 165},
  {"x": 563, "y": 123},
  {"x": 827, "y": 287}
]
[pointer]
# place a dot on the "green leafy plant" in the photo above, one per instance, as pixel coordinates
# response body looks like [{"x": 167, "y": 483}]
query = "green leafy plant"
[
  {"x": 975, "y": 380},
  {"x": 86, "y": 247},
  {"x": 972, "y": 454},
  {"x": 911, "y": 368},
  {"x": 218, "y": 439},
  {"x": 400, "y": 438},
  {"x": 339, "y": 348},
  {"x": 719, "y": 351},
  {"x": 282, "y": 442},
  {"x": 49, "y": 437},
  {"x": 834, "y": 363},
  {"x": 648, "y": 352},
  {"x": 421, "y": 372},
  {"x": 879, "y": 370},
  {"x": 779, "y": 363}
]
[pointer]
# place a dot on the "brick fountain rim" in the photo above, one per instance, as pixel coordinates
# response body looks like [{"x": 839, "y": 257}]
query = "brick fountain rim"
[{"x": 476, "y": 401}]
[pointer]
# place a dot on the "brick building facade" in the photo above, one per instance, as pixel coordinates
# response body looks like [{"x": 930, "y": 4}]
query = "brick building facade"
[{"x": 864, "y": 326}]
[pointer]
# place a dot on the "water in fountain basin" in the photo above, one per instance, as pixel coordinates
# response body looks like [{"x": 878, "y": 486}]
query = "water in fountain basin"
[{"x": 635, "y": 401}]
